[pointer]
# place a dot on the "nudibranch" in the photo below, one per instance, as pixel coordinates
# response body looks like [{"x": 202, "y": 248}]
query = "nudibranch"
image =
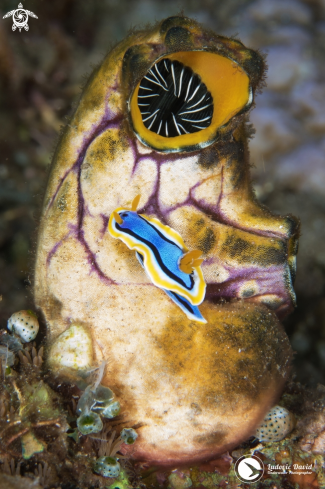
[
  {"x": 163, "y": 254},
  {"x": 165, "y": 116}
]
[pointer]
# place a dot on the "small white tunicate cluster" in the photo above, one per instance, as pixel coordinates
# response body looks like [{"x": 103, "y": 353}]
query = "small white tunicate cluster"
[
  {"x": 276, "y": 425},
  {"x": 24, "y": 324},
  {"x": 96, "y": 402}
]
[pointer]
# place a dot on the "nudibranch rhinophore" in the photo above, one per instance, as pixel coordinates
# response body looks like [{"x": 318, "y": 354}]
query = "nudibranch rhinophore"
[
  {"x": 165, "y": 116},
  {"x": 163, "y": 254}
]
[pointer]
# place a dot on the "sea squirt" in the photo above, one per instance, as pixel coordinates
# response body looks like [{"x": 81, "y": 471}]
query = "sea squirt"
[
  {"x": 277, "y": 424},
  {"x": 165, "y": 116}
]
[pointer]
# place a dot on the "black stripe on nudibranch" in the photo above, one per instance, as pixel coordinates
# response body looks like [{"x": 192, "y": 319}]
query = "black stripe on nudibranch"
[
  {"x": 191, "y": 311},
  {"x": 156, "y": 253},
  {"x": 173, "y": 100},
  {"x": 182, "y": 301},
  {"x": 176, "y": 297},
  {"x": 160, "y": 234},
  {"x": 155, "y": 229}
]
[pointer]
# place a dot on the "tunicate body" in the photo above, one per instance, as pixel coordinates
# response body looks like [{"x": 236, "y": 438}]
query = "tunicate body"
[
  {"x": 89, "y": 422},
  {"x": 24, "y": 324},
  {"x": 196, "y": 389},
  {"x": 128, "y": 435},
  {"x": 277, "y": 424},
  {"x": 95, "y": 399},
  {"x": 107, "y": 467}
]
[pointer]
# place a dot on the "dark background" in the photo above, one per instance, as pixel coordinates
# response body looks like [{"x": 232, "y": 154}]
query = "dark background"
[{"x": 42, "y": 70}]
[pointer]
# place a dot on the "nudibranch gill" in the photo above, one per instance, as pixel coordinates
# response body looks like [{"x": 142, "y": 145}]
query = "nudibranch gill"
[
  {"x": 163, "y": 254},
  {"x": 165, "y": 116}
]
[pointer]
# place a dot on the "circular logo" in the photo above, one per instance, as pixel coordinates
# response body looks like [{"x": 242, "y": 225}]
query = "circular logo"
[
  {"x": 249, "y": 468},
  {"x": 20, "y": 17}
]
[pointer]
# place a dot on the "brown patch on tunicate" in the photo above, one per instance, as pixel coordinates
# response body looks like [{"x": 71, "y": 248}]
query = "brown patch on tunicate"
[
  {"x": 115, "y": 100},
  {"x": 63, "y": 212},
  {"x": 196, "y": 408},
  {"x": 61, "y": 202},
  {"x": 178, "y": 38},
  {"x": 230, "y": 149},
  {"x": 234, "y": 249},
  {"x": 246, "y": 334},
  {"x": 225, "y": 132},
  {"x": 209, "y": 158},
  {"x": 248, "y": 293},
  {"x": 238, "y": 354},
  {"x": 178, "y": 21},
  {"x": 237, "y": 170},
  {"x": 107, "y": 147},
  {"x": 199, "y": 223},
  {"x": 247, "y": 252},
  {"x": 207, "y": 241},
  {"x": 94, "y": 97},
  {"x": 293, "y": 245},
  {"x": 66, "y": 200},
  {"x": 136, "y": 62},
  {"x": 52, "y": 308},
  {"x": 253, "y": 63},
  {"x": 205, "y": 237},
  {"x": 100, "y": 172},
  {"x": 211, "y": 439},
  {"x": 178, "y": 338},
  {"x": 292, "y": 225}
]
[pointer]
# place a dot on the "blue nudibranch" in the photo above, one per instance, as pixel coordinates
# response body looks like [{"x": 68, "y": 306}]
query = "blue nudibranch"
[{"x": 163, "y": 254}]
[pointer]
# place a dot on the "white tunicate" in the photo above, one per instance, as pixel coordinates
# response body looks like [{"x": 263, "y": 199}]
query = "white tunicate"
[
  {"x": 98, "y": 400},
  {"x": 72, "y": 350},
  {"x": 89, "y": 422},
  {"x": 24, "y": 324},
  {"x": 107, "y": 467},
  {"x": 276, "y": 425},
  {"x": 103, "y": 395},
  {"x": 129, "y": 435}
]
